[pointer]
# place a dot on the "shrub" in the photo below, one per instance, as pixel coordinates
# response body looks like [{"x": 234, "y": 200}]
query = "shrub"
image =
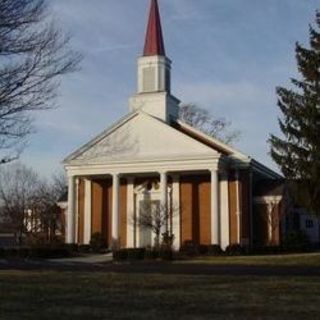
[
  {"x": 11, "y": 253},
  {"x": 167, "y": 240},
  {"x": 2, "y": 253},
  {"x": 136, "y": 254},
  {"x": 40, "y": 252},
  {"x": 97, "y": 242},
  {"x": 296, "y": 241},
  {"x": 85, "y": 248},
  {"x": 214, "y": 250},
  {"x": 189, "y": 248},
  {"x": 152, "y": 254},
  {"x": 166, "y": 254},
  {"x": 266, "y": 250},
  {"x": 202, "y": 249},
  {"x": 120, "y": 255},
  {"x": 234, "y": 250},
  {"x": 51, "y": 252}
]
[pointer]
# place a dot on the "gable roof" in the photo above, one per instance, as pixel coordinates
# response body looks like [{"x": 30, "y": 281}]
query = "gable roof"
[
  {"x": 99, "y": 137},
  {"x": 226, "y": 150},
  {"x": 152, "y": 138},
  {"x": 140, "y": 136}
]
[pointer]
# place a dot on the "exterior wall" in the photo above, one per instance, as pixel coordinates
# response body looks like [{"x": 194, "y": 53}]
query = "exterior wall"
[
  {"x": 310, "y": 224},
  {"x": 245, "y": 199},
  {"x": 123, "y": 213},
  {"x": 233, "y": 209},
  {"x": 195, "y": 206},
  {"x": 240, "y": 191},
  {"x": 101, "y": 208},
  {"x": 262, "y": 224}
]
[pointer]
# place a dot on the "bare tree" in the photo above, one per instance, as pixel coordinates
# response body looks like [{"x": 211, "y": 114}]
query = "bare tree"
[
  {"x": 46, "y": 210},
  {"x": 18, "y": 185},
  {"x": 204, "y": 121},
  {"x": 28, "y": 204},
  {"x": 33, "y": 54},
  {"x": 157, "y": 218}
]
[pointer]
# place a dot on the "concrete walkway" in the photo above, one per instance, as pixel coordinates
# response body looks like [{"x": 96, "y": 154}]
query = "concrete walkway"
[{"x": 87, "y": 259}]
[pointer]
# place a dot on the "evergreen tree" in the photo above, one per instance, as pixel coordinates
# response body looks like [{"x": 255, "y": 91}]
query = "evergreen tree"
[{"x": 297, "y": 153}]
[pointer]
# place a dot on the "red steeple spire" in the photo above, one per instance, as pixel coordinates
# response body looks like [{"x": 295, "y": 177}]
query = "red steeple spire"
[{"x": 154, "y": 45}]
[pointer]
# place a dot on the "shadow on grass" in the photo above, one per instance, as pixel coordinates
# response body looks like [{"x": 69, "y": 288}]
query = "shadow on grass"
[{"x": 160, "y": 267}]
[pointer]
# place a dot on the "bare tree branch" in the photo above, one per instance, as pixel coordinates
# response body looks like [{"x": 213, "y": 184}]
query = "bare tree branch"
[
  {"x": 204, "y": 121},
  {"x": 34, "y": 53}
]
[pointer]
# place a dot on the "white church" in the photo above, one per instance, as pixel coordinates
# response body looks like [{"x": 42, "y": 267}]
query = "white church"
[{"x": 221, "y": 196}]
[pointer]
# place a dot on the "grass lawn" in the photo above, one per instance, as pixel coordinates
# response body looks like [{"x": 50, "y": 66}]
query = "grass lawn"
[
  {"x": 308, "y": 259},
  {"x": 106, "y": 295}
]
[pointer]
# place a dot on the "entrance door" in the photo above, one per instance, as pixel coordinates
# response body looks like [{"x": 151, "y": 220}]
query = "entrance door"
[{"x": 148, "y": 213}]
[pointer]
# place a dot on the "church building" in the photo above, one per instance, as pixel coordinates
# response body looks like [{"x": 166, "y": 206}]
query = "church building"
[{"x": 216, "y": 195}]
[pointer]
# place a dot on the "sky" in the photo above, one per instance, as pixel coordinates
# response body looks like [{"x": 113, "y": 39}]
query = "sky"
[{"x": 228, "y": 57}]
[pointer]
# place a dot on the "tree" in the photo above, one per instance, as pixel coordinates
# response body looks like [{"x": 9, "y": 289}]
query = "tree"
[
  {"x": 204, "y": 121},
  {"x": 297, "y": 153},
  {"x": 45, "y": 208},
  {"x": 18, "y": 185},
  {"x": 33, "y": 55},
  {"x": 156, "y": 217},
  {"x": 28, "y": 203}
]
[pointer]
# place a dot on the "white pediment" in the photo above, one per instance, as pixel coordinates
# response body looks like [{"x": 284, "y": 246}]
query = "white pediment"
[{"x": 142, "y": 137}]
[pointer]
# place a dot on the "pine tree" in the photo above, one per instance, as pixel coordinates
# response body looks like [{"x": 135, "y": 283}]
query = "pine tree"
[{"x": 297, "y": 153}]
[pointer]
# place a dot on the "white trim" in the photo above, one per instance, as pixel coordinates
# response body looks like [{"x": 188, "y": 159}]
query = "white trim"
[
  {"x": 130, "y": 212},
  {"x": 70, "y": 212},
  {"x": 62, "y": 205},
  {"x": 77, "y": 216},
  {"x": 215, "y": 141},
  {"x": 136, "y": 167},
  {"x": 115, "y": 207},
  {"x": 87, "y": 211},
  {"x": 267, "y": 199},
  {"x": 176, "y": 219},
  {"x": 271, "y": 202},
  {"x": 164, "y": 196},
  {"x": 238, "y": 207},
  {"x": 224, "y": 211},
  {"x": 251, "y": 206}
]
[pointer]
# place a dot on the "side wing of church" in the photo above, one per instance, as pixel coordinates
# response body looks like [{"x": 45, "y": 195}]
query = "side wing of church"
[{"x": 214, "y": 193}]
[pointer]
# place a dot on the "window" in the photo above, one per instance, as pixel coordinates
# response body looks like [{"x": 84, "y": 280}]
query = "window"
[{"x": 309, "y": 223}]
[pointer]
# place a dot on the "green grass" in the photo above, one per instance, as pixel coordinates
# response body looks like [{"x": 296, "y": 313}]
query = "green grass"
[
  {"x": 92, "y": 295},
  {"x": 308, "y": 259}
]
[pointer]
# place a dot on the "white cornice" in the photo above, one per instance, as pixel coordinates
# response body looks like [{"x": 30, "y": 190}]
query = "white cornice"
[{"x": 135, "y": 167}]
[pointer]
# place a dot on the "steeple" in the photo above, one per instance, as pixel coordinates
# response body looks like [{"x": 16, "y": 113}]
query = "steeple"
[
  {"x": 154, "y": 74},
  {"x": 154, "y": 45}
]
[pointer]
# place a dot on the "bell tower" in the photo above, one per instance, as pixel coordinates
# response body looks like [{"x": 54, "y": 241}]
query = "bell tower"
[{"x": 154, "y": 74}]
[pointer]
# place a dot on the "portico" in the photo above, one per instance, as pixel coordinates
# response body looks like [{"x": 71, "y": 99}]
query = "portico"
[{"x": 168, "y": 193}]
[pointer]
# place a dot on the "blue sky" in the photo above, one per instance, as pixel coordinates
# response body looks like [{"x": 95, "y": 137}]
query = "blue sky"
[{"x": 228, "y": 56}]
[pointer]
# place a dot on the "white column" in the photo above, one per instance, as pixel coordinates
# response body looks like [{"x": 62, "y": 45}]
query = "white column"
[
  {"x": 70, "y": 221},
  {"x": 164, "y": 194},
  {"x": 224, "y": 211},
  {"x": 115, "y": 207},
  {"x": 87, "y": 211},
  {"x": 130, "y": 212},
  {"x": 215, "y": 224},
  {"x": 176, "y": 211},
  {"x": 270, "y": 207},
  {"x": 238, "y": 205},
  {"x": 77, "y": 216}
]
